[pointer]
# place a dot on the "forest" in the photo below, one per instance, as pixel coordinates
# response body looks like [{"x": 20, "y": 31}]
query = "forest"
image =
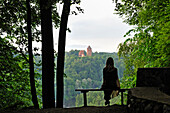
[
  {"x": 80, "y": 72},
  {"x": 21, "y": 81},
  {"x": 86, "y": 72}
]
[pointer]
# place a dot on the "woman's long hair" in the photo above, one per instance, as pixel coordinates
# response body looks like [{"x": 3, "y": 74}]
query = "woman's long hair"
[{"x": 109, "y": 64}]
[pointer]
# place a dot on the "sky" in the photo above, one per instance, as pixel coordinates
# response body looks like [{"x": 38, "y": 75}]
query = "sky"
[{"x": 98, "y": 27}]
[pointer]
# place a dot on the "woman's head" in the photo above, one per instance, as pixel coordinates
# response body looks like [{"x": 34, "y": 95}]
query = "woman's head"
[{"x": 110, "y": 63}]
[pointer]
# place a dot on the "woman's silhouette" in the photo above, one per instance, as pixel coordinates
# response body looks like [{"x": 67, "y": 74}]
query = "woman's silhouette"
[{"x": 110, "y": 80}]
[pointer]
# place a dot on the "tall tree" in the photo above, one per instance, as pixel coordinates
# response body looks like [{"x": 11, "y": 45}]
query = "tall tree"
[
  {"x": 47, "y": 54},
  {"x": 13, "y": 18},
  {"x": 61, "y": 52},
  {"x": 149, "y": 46},
  {"x": 31, "y": 63}
]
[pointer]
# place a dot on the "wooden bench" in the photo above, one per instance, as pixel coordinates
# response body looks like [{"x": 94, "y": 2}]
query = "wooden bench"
[{"x": 84, "y": 91}]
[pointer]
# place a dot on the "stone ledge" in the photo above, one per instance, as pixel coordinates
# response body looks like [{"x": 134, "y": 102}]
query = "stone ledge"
[
  {"x": 148, "y": 100},
  {"x": 151, "y": 93}
]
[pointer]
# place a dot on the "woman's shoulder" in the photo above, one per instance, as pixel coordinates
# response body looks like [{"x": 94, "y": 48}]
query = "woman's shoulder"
[
  {"x": 115, "y": 68},
  {"x": 104, "y": 69}
]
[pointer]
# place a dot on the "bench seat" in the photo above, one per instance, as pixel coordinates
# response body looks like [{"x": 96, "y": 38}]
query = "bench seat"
[{"x": 84, "y": 91}]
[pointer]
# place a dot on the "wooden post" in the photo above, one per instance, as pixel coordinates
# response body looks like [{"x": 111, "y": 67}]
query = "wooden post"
[
  {"x": 122, "y": 98},
  {"x": 85, "y": 98}
]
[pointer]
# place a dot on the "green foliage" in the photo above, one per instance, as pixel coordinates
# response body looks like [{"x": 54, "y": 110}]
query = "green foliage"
[
  {"x": 15, "y": 89},
  {"x": 149, "y": 47},
  {"x": 86, "y": 72},
  {"x": 13, "y": 77},
  {"x": 14, "y": 72},
  {"x": 13, "y": 19}
]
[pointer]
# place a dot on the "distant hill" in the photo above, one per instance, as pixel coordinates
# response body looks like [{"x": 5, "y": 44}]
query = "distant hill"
[{"x": 86, "y": 72}]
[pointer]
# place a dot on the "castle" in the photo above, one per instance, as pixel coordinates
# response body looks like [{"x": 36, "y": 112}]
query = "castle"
[{"x": 89, "y": 52}]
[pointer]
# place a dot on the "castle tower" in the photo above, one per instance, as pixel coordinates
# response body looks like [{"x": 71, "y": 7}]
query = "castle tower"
[{"x": 89, "y": 51}]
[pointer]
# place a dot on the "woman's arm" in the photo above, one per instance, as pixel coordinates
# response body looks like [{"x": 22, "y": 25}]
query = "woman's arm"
[
  {"x": 118, "y": 83},
  {"x": 103, "y": 85}
]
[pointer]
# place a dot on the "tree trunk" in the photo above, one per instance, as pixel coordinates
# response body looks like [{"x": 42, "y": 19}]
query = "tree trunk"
[
  {"x": 32, "y": 81},
  {"x": 61, "y": 53},
  {"x": 47, "y": 55}
]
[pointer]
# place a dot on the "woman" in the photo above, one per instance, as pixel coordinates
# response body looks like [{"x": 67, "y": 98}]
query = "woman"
[{"x": 110, "y": 80}]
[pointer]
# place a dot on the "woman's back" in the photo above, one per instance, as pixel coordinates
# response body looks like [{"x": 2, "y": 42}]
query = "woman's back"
[{"x": 110, "y": 77}]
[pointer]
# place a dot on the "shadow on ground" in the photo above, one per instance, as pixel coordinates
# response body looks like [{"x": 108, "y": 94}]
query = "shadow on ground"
[{"x": 90, "y": 109}]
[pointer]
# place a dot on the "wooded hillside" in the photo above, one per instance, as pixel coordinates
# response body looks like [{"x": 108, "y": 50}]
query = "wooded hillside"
[{"x": 86, "y": 72}]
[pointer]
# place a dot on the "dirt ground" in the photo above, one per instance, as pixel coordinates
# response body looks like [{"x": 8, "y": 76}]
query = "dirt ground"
[{"x": 90, "y": 109}]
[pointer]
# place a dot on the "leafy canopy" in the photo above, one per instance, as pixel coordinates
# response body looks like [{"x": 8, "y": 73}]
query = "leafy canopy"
[{"x": 149, "y": 47}]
